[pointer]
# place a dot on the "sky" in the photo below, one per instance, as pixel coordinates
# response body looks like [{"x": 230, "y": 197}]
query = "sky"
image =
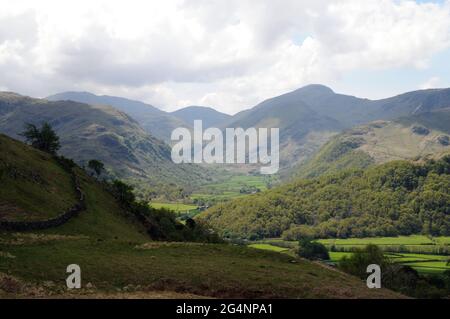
[{"x": 228, "y": 54}]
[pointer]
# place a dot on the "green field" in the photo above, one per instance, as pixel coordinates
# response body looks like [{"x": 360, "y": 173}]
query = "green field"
[
  {"x": 176, "y": 207},
  {"x": 336, "y": 256},
  {"x": 268, "y": 247},
  {"x": 423, "y": 261},
  {"x": 230, "y": 187},
  {"x": 401, "y": 240},
  {"x": 403, "y": 244}
]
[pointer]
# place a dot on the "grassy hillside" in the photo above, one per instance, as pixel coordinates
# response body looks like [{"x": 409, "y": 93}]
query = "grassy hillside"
[
  {"x": 397, "y": 198},
  {"x": 29, "y": 192},
  {"x": 207, "y": 270},
  {"x": 415, "y": 137},
  {"x": 103, "y": 133},
  {"x": 35, "y": 187},
  {"x": 117, "y": 257}
]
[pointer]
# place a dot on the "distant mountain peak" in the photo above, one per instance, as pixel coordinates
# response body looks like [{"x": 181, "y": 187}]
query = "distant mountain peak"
[
  {"x": 208, "y": 115},
  {"x": 196, "y": 107},
  {"x": 315, "y": 89}
]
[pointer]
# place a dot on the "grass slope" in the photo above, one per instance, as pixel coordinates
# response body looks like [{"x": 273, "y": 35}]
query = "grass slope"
[
  {"x": 31, "y": 192},
  {"x": 211, "y": 270}
]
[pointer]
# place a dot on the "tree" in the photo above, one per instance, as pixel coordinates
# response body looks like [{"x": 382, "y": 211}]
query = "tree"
[
  {"x": 312, "y": 250},
  {"x": 44, "y": 139},
  {"x": 123, "y": 193},
  {"x": 96, "y": 166},
  {"x": 357, "y": 263},
  {"x": 190, "y": 223}
]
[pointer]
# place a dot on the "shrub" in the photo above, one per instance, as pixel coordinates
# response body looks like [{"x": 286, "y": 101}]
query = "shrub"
[
  {"x": 66, "y": 163},
  {"x": 312, "y": 250},
  {"x": 123, "y": 193},
  {"x": 357, "y": 263},
  {"x": 96, "y": 166}
]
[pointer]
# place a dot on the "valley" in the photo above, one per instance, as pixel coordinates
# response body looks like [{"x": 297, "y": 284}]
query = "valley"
[
  {"x": 118, "y": 252},
  {"x": 377, "y": 177},
  {"x": 244, "y": 153}
]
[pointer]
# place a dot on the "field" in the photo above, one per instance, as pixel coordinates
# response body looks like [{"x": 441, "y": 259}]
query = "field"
[
  {"x": 176, "y": 207},
  {"x": 414, "y": 244},
  {"x": 231, "y": 187},
  {"x": 401, "y": 240},
  {"x": 268, "y": 247},
  {"x": 396, "y": 248},
  {"x": 421, "y": 262},
  {"x": 183, "y": 211}
]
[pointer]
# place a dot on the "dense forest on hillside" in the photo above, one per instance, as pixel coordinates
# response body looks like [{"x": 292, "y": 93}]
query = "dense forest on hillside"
[{"x": 396, "y": 198}]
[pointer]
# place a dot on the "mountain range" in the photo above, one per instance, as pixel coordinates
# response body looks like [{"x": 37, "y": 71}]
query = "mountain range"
[
  {"x": 133, "y": 137},
  {"x": 157, "y": 122},
  {"x": 307, "y": 117},
  {"x": 153, "y": 120},
  {"x": 100, "y": 132},
  {"x": 310, "y": 116}
]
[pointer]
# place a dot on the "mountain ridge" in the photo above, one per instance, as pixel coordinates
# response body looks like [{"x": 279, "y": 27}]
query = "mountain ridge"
[
  {"x": 155, "y": 121},
  {"x": 103, "y": 133},
  {"x": 210, "y": 116},
  {"x": 311, "y": 115},
  {"x": 415, "y": 137}
]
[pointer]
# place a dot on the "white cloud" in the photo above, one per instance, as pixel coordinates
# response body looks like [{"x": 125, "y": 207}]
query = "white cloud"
[
  {"x": 228, "y": 54},
  {"x": 432, "y": 82}
]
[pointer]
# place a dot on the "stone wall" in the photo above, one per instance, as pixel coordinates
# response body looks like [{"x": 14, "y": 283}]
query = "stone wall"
[{"x": 52, "y": 222}]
